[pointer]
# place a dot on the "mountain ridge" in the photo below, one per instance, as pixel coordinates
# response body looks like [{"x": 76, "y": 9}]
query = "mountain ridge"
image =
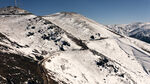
[
  {"x": 13, "y": 10},
  {"x": 136, "y": 30}
]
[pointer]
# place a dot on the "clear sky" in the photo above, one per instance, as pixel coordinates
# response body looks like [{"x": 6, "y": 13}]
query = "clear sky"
[{"x": 103, "y": 11}]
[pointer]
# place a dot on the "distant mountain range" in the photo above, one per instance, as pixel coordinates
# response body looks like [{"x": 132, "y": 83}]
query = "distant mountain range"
[
  {"x": 68, "y": 48},
  {"x": 137, "y": 30}
]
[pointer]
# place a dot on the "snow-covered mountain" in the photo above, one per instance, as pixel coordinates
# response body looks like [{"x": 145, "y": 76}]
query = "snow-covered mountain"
[
  {"x": 68, "y": 48},
  {"x": 31, "y": 36},
  {"x": 137, "y": 30},
  {"x": 112, "y": 47}
]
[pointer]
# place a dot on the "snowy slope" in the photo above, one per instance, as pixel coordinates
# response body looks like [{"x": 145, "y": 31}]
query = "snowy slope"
[
  {"x": 79, "y": 26},
  {"x": 137, "y": 30},
  {"x": 72, "y": 49},
  {"x": 130, "y": 55},
  {"x": 29, "y": 39},
  {"x": 86, "y": 67},
  {"x": 35, "y": 35}
]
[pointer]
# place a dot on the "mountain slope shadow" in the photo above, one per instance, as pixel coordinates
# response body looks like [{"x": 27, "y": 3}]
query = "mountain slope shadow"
[{"x": 16, "y": 69}]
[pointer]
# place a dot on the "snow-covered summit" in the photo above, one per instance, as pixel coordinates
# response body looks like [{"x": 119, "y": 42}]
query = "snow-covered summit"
[
  {"x": 12, "y": 10},
  {"x": 79, "y": 25}
]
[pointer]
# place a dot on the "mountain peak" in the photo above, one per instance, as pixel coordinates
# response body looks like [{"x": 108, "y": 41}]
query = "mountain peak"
[
  {"x": 12, "y": 10},
  {"x": 64, "y": 14},
  {"x": 68, "y": 13}
]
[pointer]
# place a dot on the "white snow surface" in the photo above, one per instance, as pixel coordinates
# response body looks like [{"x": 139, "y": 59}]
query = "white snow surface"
[
  {"x": 79, "y": 67},
  {"x": 79, "y": 26},
  {"x": 34, "y": 34},
  {"x": 130, "y": 55},
  {"x": 77, "y": 50}
]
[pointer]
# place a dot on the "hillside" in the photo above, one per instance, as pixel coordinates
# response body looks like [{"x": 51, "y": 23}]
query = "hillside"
[
  {"x": 105, "y": 43},
  {"x": 68, "y": 48}
]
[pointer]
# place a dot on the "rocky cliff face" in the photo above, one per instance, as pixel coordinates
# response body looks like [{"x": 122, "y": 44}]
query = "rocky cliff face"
[{"x": 67, "y": 48}]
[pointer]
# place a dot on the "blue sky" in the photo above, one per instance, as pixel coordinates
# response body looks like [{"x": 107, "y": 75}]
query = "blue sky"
[{"x": 103, "y": 11}]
